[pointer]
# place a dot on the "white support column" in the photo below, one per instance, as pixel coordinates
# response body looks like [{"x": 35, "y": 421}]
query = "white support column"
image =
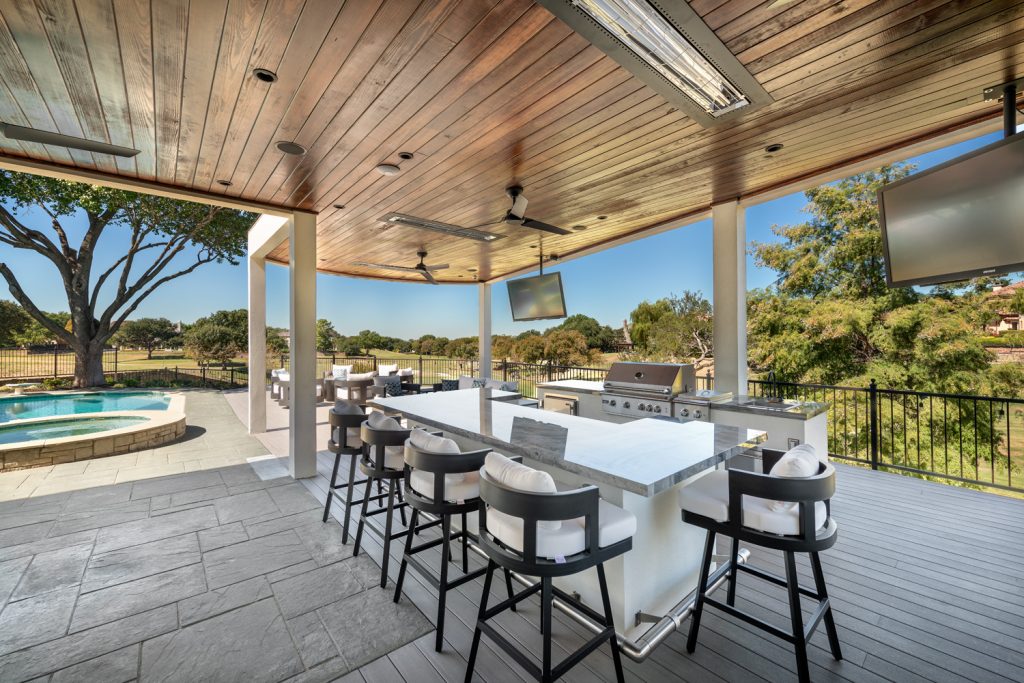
[
  {"x": 257, "y": 344},
  {"x": 730, "y": 297},
  {"x": 484, "y": 348},
  {"x": 302, "y": 347}
]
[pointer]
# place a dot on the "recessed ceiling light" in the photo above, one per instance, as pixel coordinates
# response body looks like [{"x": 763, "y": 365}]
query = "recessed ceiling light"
[
  {"x": 533, "y": 246},
  {"x": 225, "y": 183},
  {"x": 387, "y": 169},
  {"x": 265, "y": 75},
  {"x": 291, "y": 147},
  {"x": 601, "y": 218},
  {"x": 774, "y": 147},
  {"x": 472, "y": 270},
  {"x": 579, "y": 228},
  {"x": 405, "y": 155},
  {"x": 339, "y": 206}
]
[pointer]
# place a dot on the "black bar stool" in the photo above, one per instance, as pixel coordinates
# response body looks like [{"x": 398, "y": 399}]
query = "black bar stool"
[
  {"x": 786, "y": 513},
  {"x": 383, "y": 462},
  {"x": 345, "y": 419},
  {"x": 441, "y": 481},
  {"x": 546, "y": 533}
]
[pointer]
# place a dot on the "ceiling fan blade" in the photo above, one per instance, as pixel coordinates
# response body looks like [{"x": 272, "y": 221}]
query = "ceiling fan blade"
[
  {"x": 441, "y": 266},
  {"x": 429, "y": 278},
  {"x": 546, "y": 227},
  {"x": 46, "y": 137},
  {"x": 518, "y": 206},
  {"x": 385, "y": 266}
]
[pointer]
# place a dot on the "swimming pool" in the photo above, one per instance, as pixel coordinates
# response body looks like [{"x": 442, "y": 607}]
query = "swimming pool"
[
  {"x": 64, "y": 427},
  {"x": 52, "y": 405}
]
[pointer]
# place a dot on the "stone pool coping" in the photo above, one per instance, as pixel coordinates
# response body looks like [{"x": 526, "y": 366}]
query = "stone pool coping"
[{"x": 160, "y": 427}]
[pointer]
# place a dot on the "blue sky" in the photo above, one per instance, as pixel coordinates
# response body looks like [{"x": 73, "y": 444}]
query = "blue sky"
[{"x": 607, "y": 285}]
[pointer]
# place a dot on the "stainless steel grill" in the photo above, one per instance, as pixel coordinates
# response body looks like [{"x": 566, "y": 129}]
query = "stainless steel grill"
[{"x": 646, "y": 389}]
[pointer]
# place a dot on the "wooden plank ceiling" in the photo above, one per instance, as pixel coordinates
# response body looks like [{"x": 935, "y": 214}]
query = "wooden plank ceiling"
[{"x": 484, "y": 94}]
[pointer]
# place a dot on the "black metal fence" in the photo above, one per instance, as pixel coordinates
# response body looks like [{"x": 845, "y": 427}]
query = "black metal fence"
[
  {"x": 976, "y": 440},
  {"x": 38, "y": 362}
]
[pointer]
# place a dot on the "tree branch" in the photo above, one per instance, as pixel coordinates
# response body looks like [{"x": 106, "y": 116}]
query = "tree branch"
[
  {"x": 110, "y": 271},
  {"x": 152, "y": 288},
  {"x": 19, "y": 295}
]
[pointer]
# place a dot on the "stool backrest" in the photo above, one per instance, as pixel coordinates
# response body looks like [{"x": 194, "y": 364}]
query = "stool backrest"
[
  {"x": 440, "y": 465},
  {"x": 537, "y": 507},
  {"x": 804, "y": 491},
  {"x": 375, "y": 441},
  {"x": 344, "y": 422}
]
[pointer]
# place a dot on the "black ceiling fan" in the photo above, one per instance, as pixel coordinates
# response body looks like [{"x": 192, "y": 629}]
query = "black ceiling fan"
[
  {"x": 517, "y": 214},
  {"x": 421, "y": 268}
]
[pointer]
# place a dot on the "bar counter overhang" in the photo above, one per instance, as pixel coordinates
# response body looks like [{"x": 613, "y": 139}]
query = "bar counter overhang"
[{"x": 637, "y": 465}]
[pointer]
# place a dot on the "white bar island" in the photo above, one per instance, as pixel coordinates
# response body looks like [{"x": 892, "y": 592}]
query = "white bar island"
[{"x": 638, "y": 465}]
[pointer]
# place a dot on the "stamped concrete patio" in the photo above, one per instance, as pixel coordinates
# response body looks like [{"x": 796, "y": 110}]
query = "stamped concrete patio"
[{"x": 199, "y": 561}]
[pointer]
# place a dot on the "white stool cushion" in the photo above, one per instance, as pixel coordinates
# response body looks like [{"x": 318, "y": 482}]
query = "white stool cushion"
[
  {"x": 457, "y": 487},
  {"x": 614, "y": 525},
  {"x": 405, "y": 372},
  {"x": 798, "y": 462},
  {"x": 425, "y": 441},
  {"x": 385, "y": 370},
  {"x": 709, "y": 497},
  {"x": 394, "y": 456}
]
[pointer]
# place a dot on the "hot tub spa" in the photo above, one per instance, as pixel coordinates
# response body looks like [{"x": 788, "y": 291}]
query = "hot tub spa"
[{"x": 48, "y": 429}]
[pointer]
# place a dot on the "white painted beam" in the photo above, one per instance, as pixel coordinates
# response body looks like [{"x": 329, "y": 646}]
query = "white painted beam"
[
  {"x": 484, "y": 341},
  {"x": 257, "y": 344},
  {"x": 302, "y": 351},
  {"x": 730, "y": 297}
]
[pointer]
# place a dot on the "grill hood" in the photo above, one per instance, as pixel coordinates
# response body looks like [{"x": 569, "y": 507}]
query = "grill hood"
[{"x": 664, "y": 379}]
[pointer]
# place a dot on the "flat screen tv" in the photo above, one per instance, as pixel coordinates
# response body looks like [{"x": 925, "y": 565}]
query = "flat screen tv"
[
  {"x": 958, "y": 220},
  {"x": 537, "y": 298}
]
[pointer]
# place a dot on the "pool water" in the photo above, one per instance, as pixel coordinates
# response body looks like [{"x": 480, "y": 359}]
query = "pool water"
[
  {"x": 42, "y": 405},
  {"x": 57, "y": 429}
]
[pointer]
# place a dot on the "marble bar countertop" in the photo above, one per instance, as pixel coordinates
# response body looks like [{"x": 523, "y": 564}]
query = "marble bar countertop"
[
  {"x": 645, "y": 456},
  {"x": 576, "y": 385},
  {"x": 757, "y": 405}
]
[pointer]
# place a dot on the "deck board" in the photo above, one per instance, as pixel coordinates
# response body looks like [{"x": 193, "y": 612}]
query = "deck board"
[{"x": 924, "y": 580}]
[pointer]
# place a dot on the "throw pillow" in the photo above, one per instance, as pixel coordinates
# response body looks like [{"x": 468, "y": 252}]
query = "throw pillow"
[
  {"x": 379, "y": 420},
  {"x": 392, "y": 385},
  {"x": 449, "y": 384},
  {"x": 465, "y": 382},
  {"x": 518, "y": 476},
  {"x": 798, "y": 462}
]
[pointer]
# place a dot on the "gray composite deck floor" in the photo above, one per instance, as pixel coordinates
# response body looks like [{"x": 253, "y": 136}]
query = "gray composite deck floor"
[
  {"x": 187, "y": 563},
  {"x": 927, "y": 582}
]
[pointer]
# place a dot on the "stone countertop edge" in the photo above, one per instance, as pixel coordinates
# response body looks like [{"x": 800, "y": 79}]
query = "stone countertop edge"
[
  {"x": 805, "y": 411},
  {"x": 597, "y": 476}
]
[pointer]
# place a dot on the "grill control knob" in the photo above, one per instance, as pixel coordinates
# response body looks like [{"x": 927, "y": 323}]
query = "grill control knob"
[
  {"x": 657, "y": 409},
  {"x": 612, "y": 403},
  {"x": 640, "y": 406},
  {"x": 697, "y": 414},
  {"x": 684, "y": 412},
  {"x": 650, "y": 407},
  {"x": 626, "y": 404}
]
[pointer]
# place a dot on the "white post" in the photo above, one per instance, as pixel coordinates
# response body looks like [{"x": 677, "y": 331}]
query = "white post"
[
  {"x": 257, "y": 344},
  {"x": 484, "y": 342},
  {"x": 730, "y": 297},
  {"x": 302, "y": 356}
]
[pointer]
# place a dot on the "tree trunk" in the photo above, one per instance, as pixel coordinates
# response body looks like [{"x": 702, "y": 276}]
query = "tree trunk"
[
  {"x": 149, "y": 352},
  {"x": 89, "y": 367}
]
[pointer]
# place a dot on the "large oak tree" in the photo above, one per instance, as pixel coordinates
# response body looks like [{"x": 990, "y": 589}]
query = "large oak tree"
[{"x": 167, "y": 239}]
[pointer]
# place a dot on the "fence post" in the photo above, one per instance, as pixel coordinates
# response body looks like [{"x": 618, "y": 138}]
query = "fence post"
[
  {"x": 232, "y": 378},
  {"x": 873, "y": 422},
  {"x": 204, "y": 376},
  {"x": 55, "y": 347},
  {"x": 549, "y": 371},
  {"x": 420, "y": 373},
  {"x": 115, "y": 362},
  {"x": 504, "y": 370}
]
